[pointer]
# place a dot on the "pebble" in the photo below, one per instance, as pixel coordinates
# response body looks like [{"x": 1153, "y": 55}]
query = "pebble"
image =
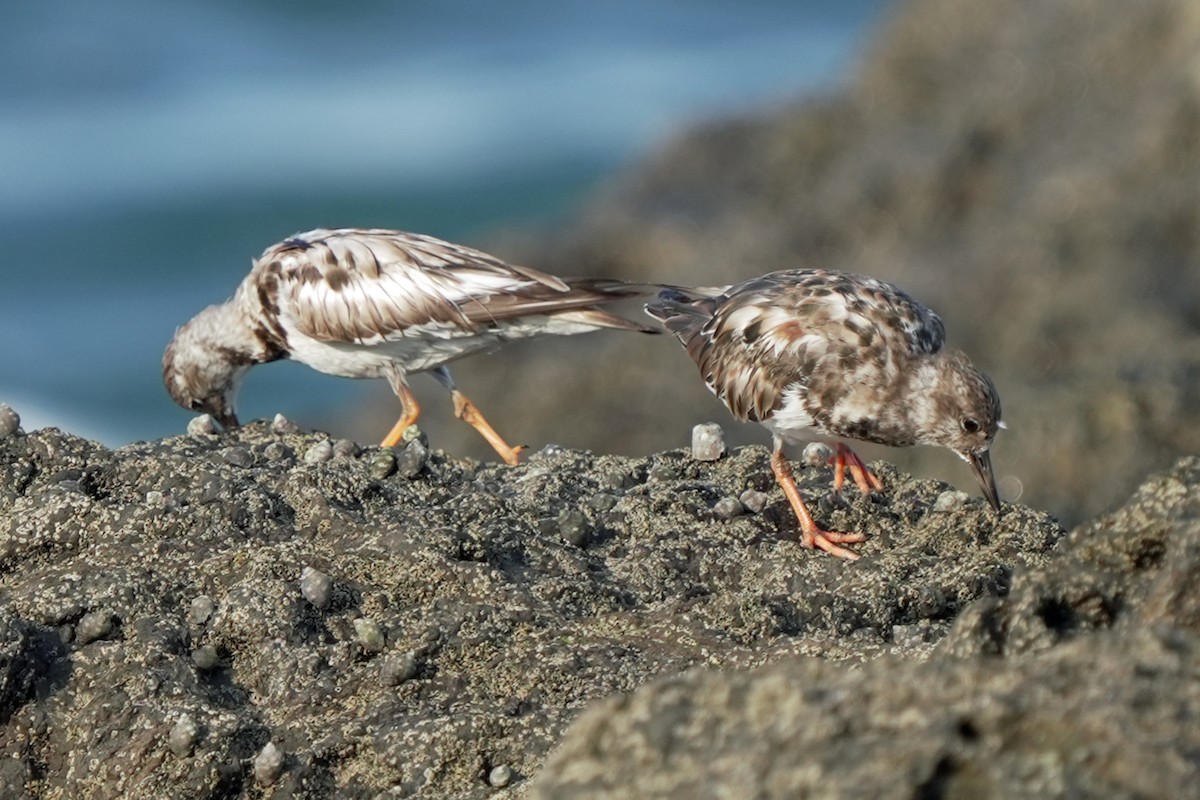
[
  {"x": 268, "y": 764},
  {"x": 94, "y": 625},
  {"x": 398, "y": 668},
  {"x": 573, "y": 527},
  {"x": 319, "y": 452},
  {"x": 282, "y": 424},
  {"x": 345, "y": 448},
  {"x": 382, "y": 464},
  {"x": 201, "y": 610},
  {"x": 276, "y": 451},
  {"x": 817, "y": 454},
  {"x": 370, "y": 636},
  {"x": 708, "y": 442},
  {"x": 950, "y": 500},
  {"x": 316, "y": 587},
  {"x": 663, "y": 473},
  {"x": 601, "y": 502},
  {"x": 237, "y": 457},
  {"x": 201, "y": 425},
  {"x": 414, "y": 434},
  {"x": 754, "y": 500},
  {"x": 183, "y": 736},
  {"x": 412, "y": 459},
  {"x": 728, "y": 508},
  {"x": 500, "y": 776},
  {"x": 10, "y": 420},
  {"x": 618, "y": 479},
  {"x": 205, "y": 657},
  {"x": 547, "y": 452},
  {"x": 833, "y": 501}
]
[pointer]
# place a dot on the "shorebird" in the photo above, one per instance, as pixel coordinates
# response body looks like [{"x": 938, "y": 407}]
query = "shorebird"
[
  {"x": 372, "y": 303},
  {"x": 837, "y": 355}
]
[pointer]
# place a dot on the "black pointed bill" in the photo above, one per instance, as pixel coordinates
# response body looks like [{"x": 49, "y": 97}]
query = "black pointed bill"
[{"x": 981, "y": 465}]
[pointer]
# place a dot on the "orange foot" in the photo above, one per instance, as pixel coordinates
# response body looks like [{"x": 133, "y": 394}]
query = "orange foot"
[
  {"x": 863, "y": 477},
  {"x": 811, "y": 534}
]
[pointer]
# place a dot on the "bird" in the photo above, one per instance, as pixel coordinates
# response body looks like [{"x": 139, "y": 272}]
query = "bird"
[
  {"x": 819, "y": 352},
  {"x": 377, "y": 303}
]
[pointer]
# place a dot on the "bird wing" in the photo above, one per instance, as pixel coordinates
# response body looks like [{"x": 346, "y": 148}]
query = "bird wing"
[
  {"x": 368, "y": 285},
  {"x": 780, "y": 330}
]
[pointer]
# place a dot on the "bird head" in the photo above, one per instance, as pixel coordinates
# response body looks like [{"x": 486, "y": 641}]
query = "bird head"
[
  {"x": 201, "y": 372},
  {"x": 963, "y": 414}
]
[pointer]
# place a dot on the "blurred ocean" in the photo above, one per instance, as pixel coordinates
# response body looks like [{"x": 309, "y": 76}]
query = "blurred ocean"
[{"x": 149, "y": 151}]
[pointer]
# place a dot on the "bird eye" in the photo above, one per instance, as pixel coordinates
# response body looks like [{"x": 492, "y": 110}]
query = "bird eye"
[
  {"x": 197, "y": 405},
  {"x": 970, "y": 425}
]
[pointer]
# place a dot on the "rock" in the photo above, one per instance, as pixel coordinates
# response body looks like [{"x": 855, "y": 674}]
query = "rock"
[
  {"x": 573, "y": 527},
  {"x": 237, "y": 457},
  {"x": 183, "y": 736},
  {"x": 460, "y": 633},
  {"x": 316, "y": 587},
  {"x": 950, "y": 500},
  {"x": 281, "y": 425},
  {"x": 319, "y": 452},
  {"x": 383, "y": 464},
  {"x": 370, "y": 635},
  {"x": 398, "y": 668},
  {"x": 206, "y": 658},
  {"x": 754, "y": 500},
  {"x": 200, "y": 610},
  {"x": 10, "y": 421},
  {"x": 817, "y": 454},
  {"x": 94, "y": 625},
  {"x": 708, "y": 442},
  {"x": 412, "y": 459},
  {"x": 728, "y": 508},
  {"x": 203, "y": 425},
  {"x": 268, "y": 764},
  {"x": 949, "y": 728},
  {"x": 1135, "y": 568},
  {"x": 500, "y": 776},
  {"x": 345, "y": 448}
]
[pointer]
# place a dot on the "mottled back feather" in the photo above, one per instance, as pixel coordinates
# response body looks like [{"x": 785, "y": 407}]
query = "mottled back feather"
[{"x": 795, "y": 330}]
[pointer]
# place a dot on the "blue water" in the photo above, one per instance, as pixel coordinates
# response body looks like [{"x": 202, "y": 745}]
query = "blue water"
[{"x": 149, "y": 150}]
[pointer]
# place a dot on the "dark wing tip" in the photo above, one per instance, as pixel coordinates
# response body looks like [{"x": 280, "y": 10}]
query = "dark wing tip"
[{"x": 670, "y": 303}]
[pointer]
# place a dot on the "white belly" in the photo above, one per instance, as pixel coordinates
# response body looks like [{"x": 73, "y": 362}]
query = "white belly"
[
  {"x": 790, "y": 422},
  {"x": 378, "y": 360}
]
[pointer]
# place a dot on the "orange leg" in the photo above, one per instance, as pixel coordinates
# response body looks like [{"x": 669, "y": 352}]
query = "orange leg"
[
  {"x": 863, "y": 477},
  {"x": 811, "y": 535},
  {"x": 465, "y": 410},
  {"x": 411, "y": 410}
]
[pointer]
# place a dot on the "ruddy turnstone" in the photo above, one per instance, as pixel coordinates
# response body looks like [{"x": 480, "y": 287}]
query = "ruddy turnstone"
[
  {"x": 842, "y": 356},
  {"x": 371, "y": 303}
]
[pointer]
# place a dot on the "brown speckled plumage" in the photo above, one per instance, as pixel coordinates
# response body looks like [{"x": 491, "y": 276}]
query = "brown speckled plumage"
[
  {"x": 838, "y": 355},
  {"x": 373, "y": 303}
]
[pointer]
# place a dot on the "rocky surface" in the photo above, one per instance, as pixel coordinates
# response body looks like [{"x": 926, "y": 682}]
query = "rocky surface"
[
  {"x": 1083, "y": 680},
  {"x": 1030, "y": 170},
  {"x": 269, "y": 613}
]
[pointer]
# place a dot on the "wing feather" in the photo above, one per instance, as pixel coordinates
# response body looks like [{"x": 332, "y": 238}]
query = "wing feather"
[
  {"x": 368, "y": 285},
  {"x": 760, "y": 338}
]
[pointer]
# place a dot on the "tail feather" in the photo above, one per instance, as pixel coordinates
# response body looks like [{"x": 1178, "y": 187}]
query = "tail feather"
[{"x": 603, "y": 319}]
